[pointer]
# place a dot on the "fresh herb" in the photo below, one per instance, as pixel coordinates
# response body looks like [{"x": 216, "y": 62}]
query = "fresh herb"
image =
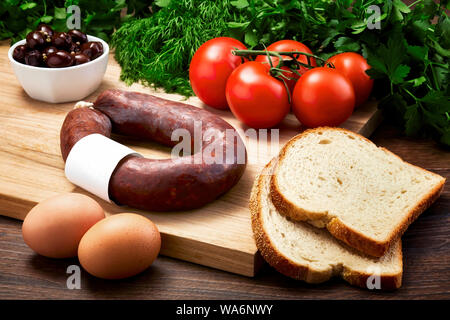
[
  {"x": 98, "y": 18},
  {"x": 157, "y": 50},
  {"x": 411, "y": 56},
  {"x": 408, "y": 54}
]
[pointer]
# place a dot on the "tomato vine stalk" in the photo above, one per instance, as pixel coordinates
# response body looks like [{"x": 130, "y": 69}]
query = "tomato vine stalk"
[{"x": 293, "y": 64}]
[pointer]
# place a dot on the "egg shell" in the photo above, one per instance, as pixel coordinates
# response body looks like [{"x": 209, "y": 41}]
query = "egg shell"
[
  {"x": 120, "y": 246},
  {"x": 55, "y": 226}
]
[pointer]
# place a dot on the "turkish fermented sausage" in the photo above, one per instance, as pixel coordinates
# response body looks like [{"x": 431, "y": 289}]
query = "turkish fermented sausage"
[{"x": 161, "y": 184}]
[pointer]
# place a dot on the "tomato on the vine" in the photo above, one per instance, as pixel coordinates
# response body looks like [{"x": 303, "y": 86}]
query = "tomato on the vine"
[
  {"x": 288, "y": 45},
  {"x": 255, "y": 97},
  {"x": 353, "y": 66},
  {"x": 323, "y": 97},
  {"x": 210, "y": 68}
]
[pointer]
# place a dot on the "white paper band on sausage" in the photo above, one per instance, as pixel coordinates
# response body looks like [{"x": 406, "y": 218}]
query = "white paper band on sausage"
[{"x": 92, "y": 161}]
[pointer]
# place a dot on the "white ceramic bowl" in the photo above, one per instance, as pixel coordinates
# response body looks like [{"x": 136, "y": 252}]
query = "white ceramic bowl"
[{"x": 56, "y": 85}]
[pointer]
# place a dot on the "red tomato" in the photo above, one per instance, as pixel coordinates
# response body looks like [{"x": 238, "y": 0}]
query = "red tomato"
[
  {"x": 323, "y": 97},
  {"x": 255, "y": 97},
  {"x": 210, "y": 68},
  {"x": 353, "y": 66},
  {"x": 288, "y": 45}
]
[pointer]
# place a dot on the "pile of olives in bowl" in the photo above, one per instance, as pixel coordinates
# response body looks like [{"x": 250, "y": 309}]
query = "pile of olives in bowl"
[{"x": 47, "y": 48}]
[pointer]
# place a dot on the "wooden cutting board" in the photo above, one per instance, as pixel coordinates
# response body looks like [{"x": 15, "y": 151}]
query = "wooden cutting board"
[{"x": 218, "y": 235}]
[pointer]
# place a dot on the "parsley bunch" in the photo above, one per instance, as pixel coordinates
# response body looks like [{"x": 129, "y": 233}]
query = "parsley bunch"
[
  {"x": 410, "y": 62},
  {"x": 409, "y": 54}
]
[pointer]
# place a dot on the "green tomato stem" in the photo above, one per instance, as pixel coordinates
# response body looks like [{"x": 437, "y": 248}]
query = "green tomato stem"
[
  {"x": 293, "y": 64},
  {"x": 287, "y": 90},
  {"x": 246, "y": 53}
]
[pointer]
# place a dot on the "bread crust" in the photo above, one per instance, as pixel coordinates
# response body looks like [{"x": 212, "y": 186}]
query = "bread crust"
[
  {"x": 303, "y": 272},
  {"x": 269, "y": 252},
  {"x": 337, "y": 227}
]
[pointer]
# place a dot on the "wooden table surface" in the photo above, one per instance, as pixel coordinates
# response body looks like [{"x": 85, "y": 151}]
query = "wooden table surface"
[{"x": 25, "y": 275}]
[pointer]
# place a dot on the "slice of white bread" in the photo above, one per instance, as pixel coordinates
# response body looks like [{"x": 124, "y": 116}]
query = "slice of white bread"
[
  {"x": 364, "y": 195},
  {"x": 301, "y": 251}
]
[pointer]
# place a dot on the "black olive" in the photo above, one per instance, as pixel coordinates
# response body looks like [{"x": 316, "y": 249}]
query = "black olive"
[
  {"x": 49, "y": 50},
  {"x": 59, "y": 59},
  {"x": 35, "y": 40},
  {"x": 81, "y": 58},
  {"x": 92, "y": 49},
  {"x": 46, "y": 30},
  {"x": 19, "y": 53},
  {"x": 78, "y": 36},
  {"x": 74, "y": 48},
  {"x": 61, "y": 40},
  {"x": 46, "y": 52},
  {"x": 33, "y": 58}
]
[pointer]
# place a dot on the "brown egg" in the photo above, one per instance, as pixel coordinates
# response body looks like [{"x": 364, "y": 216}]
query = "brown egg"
[
  {"x": 54, "y": 227},
  {"x": 120, "y": 246}
]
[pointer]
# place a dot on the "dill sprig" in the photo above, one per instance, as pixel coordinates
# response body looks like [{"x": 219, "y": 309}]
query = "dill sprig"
[{"x": 156, "y": 51}]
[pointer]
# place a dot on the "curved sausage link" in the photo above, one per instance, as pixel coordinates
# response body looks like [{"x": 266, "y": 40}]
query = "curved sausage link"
[
  {"x": 81, "y": 122},
  {"x": 170, "y": 184}
]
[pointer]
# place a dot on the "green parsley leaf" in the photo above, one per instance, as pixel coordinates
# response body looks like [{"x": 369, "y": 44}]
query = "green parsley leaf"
[
  {"x": 401, "y": 6},
  {"x": 439, "y": 100},
  {"x": 251, "y": 38},
  {"x": 413, "y": 120},
  {"x": 29, "y": 5},
  {"x": 344, "y": 44},
  {"x": 60, "y": 13},
  {"x": 418, "y": 52},
  {"x": 442, "y": 31},
  {"x": 417, "y": 81},
  {"x": 46, "y": 19},
  {"x": 399, "y": 73}
]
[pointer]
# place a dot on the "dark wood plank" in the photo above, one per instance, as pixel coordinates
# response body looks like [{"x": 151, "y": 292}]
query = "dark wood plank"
[{"x": 25, "y": 275}]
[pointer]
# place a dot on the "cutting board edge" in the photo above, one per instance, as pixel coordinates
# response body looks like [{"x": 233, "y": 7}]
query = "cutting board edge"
[{"x": 211, "y": 255}]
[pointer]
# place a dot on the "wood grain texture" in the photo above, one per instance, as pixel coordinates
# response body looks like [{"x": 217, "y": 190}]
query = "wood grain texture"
[
  {"x": 426, "y": 246},
  {"x": 218, "y": 235}
]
